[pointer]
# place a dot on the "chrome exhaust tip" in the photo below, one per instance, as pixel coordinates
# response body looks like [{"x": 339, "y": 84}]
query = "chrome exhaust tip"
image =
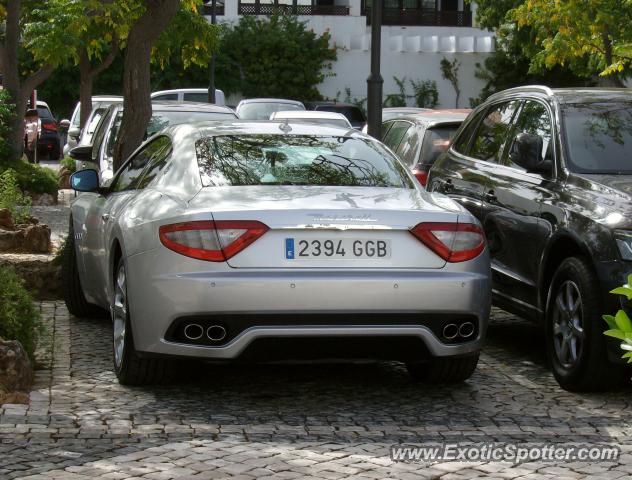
[
  {"x": 193, "y": 331},
  {"x": 216, "y": 333},
  {"x": 466, "y": 329},
  {"x": 450, "y": 331}
]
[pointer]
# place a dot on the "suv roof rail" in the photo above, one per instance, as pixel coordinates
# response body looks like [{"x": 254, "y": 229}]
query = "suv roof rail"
[{"x": 526, "y": 88}]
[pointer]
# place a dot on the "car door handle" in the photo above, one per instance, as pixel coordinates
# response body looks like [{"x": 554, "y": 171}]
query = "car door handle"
[
  {"x": 491, "y": 197},
  {"x": 105, "y": 217}
]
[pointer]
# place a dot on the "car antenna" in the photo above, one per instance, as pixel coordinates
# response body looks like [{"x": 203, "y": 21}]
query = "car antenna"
[{"x": 285, "y": 126}]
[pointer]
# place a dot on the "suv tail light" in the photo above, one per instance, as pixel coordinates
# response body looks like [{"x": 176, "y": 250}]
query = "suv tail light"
[
  {"x": 49, "y": 126},
  {"x": 211, "y": 241},
  {"x": 454, "y": 242},
  {"x": 421, "y": 176}
]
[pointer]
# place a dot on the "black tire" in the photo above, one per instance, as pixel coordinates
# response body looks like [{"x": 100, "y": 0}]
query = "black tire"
[
  {"x": 71, "y": 284},
  {"x": 440, "y": 370},
  {"x": 590, "y": 369},
  {"x": 133, "y": 369}
]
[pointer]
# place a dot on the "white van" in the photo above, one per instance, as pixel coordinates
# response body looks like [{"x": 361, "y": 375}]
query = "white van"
[{"x": 189, "y": 95}]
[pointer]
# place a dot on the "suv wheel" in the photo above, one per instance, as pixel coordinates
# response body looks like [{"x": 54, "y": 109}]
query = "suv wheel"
[
  {"x": 130, "y": 368},
  {"x": 575, "y": 344},
  {"x": 444, "y": 370}
]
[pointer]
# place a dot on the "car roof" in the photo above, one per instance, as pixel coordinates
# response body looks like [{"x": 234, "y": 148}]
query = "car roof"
[
  {"x": 181, "y": 90},
  {"x": 245, "y": 127},
  {"x": 106, "y": 98},
  {"x": 324, "y": 103},
  {"x": 309, "y": 114},
  {"x": 269, "y": 100},
  {"x": 569, "y": 95},
  {"x": 433, "y": 117},
  {"x": 406, "y": 109},
  {"x": 175, "y": 106},
  {"x": 41, "y": 103}
]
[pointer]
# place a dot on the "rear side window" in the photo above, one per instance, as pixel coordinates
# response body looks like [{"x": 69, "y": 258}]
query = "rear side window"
[
  {"x": 297, "y": 160},
  {"x": 160, "y": 156},
  {"x": 166, "y": 96},
  {"x": 436, "y": 141},
  {"x": 196, "y": 97},
  {"x": 493, "y": 131},
  {"x": 534, "y": 119},
  {"x": 395, "y": 134}
]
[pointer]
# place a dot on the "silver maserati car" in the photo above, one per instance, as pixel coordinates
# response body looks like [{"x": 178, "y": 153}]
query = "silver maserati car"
[{"x": 276, "y": 241}]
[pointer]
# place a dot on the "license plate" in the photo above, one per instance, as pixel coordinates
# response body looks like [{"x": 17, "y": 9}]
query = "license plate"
[{"x": 345, "y": 248}]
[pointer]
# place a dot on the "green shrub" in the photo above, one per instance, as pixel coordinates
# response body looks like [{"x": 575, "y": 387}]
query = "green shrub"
[
  {"x": 425, "y": 93},
  {"x": 69, "y": 164},
  {"x": 6, "y": 110},
  {"x": 19, "y": 319},
  {"x": 33, "y": 178},
  {"x": 11, "y": 197},
  {"x": 619, "y": 325}
]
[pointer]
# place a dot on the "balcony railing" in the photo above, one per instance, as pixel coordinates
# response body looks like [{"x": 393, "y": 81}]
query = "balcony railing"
[
  {"x": 284, "y": 9},
  {"x": 413, "y": 17},
  {"x": 207, "y": 9}
]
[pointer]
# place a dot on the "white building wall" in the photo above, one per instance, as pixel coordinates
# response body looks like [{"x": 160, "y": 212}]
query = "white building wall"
[{"x": 413, "y": 53}]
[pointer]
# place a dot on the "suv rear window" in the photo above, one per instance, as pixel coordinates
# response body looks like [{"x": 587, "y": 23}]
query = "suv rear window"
[
  {"x": 297, "y": 160},
  {"x": 598, "y": 137}
]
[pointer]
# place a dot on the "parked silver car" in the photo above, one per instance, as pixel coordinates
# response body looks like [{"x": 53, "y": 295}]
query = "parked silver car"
[
  {"x": 262, "y": 108},
  {"x": 271, "y": 241}
]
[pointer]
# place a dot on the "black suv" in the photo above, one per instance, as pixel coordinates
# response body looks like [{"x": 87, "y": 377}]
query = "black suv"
[{"x": 549, "y": 175}]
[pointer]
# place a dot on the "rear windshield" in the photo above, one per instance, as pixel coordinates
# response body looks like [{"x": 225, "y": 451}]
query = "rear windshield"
[
  {"x": 436, "y": 141},
  {"x": 262, "y": 111},
  {"x": 353, "y": 114},
  {"x": 44, "y": 113},
  {"x": 599, "y": 137},
  {"x": 297, "y": 160}
]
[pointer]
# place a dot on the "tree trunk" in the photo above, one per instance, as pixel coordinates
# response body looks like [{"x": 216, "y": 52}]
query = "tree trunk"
[
  {"x": 18, "y": 90},
  {"x": 85, "y": 88},
  {"x": 136, "y": 77},
  {"x": 612, "y": 80}
]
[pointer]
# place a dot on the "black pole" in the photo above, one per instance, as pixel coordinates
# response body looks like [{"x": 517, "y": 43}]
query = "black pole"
[
  {"x": 375, "y": 81},
  {"x": 211, "y": 73}
]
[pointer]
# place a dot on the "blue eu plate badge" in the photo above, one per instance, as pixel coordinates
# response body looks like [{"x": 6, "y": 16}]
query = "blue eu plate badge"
[{"x": 289, "y": 248}]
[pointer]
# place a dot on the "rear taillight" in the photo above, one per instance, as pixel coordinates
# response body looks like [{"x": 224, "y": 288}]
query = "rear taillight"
[
  {"x": 211, "y": 241},
  {"x": 454, "y": 242},
  {"x": 49, "y": 126},
  {"x": 421, "y": 176}
]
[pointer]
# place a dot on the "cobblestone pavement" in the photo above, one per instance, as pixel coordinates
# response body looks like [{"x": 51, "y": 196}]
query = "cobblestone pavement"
[{"x": 299, "y": 421}]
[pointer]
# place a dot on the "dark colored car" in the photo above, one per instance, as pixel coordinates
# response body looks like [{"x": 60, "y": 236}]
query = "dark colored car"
[
  {"x": 548, "y": 174},
  {"x": 48, "y": 144},
  {"x": 419, "y": 139},
  {"x": 354, "y": 114}
]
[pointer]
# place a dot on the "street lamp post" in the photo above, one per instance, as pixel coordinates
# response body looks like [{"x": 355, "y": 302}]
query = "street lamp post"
[
  {"x": 211, "y": 74},
  {"x": 375, "y": 80}
]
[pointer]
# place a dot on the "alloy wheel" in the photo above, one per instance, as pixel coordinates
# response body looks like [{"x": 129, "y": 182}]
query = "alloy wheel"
[
  {"x": 568, "y": 329},
  {"x": 119, "y": 315}
]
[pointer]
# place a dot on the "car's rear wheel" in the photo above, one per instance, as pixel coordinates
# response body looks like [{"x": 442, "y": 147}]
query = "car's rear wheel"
[
  {"x": 575, "y": 344},
  {"x": 444, "y": 370},
  {"x": 130, "y": 368},
  {"x": 71, "y": 284}
]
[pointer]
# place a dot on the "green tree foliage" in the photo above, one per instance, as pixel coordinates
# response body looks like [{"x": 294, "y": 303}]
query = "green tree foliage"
[
  {"x": 274, "y": 57},
  {"x": 584, "y": 36},
  {"x": 19, "y": 319},
  {"x": 425, "y": 93},
  {"x": 397, "y": 99},
  {"x": 450, "y": 72},
  {"x": 510, "y": 64},
  {"x": 619, "y": 325},
  {"x": 12, "y": 198},
  {"x": 6, "y": 112}
]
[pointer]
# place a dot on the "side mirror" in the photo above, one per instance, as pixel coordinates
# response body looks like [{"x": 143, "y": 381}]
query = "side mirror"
[
  {"x": 64, "y": 124},
  {"x": 526, "y": 151},
  {"x": 85, "y": 181},
  {"x": 74, "y": 132},
  {"x": 83, "y": 153}
]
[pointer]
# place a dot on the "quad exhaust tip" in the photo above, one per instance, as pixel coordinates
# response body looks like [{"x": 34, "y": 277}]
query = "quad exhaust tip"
[
  {"x": 450, "y": 331},
  {"x": 216, "y": 333},
  {"x": 193, "y": 331},
  {"x": 466, "y": 329}
]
